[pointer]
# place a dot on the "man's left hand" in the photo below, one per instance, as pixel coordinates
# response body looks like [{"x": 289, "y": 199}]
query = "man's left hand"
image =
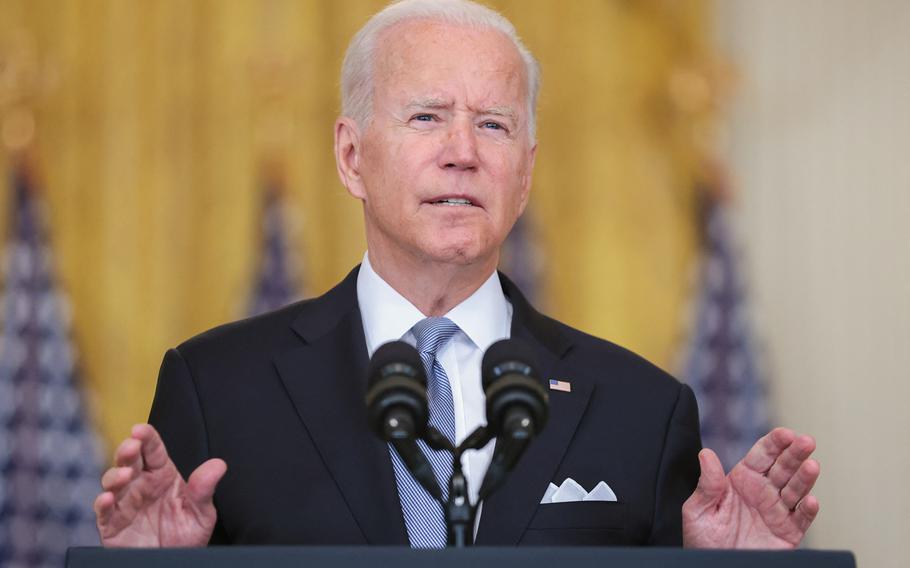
[{"x": 763, "y": 503}]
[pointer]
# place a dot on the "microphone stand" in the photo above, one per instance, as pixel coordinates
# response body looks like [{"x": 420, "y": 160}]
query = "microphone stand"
[{"x": 459, "y": 511}]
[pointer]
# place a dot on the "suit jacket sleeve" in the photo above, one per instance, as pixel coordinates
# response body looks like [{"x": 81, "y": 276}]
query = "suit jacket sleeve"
[
  {"x": 177, "y": 416},
  {"x": 679, "y": 471}
]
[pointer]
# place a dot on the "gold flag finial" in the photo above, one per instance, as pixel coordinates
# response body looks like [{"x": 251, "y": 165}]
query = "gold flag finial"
[{"x": 24, "y": 80}]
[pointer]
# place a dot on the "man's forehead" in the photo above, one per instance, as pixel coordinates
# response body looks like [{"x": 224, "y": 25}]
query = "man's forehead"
[
  {"x": 432, "y": 63},
  {"x": 416, "y": 45}
]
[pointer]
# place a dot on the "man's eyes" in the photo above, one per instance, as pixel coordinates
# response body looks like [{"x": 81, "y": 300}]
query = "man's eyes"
[
  {"x": 491, "y": 125},
  {"x": 487, "y": 124}
]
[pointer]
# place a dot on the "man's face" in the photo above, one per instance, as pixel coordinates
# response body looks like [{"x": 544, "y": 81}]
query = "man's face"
[{"x": 445, "y": 165}]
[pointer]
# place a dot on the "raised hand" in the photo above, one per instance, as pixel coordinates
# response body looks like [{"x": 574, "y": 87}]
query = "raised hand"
[
  {"x": 146, "y": 502},
  {"x": 763, "y": 503}
]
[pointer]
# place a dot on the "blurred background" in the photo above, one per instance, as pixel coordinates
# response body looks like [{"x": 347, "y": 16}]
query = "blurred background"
[{"x": 721, "y": 186}]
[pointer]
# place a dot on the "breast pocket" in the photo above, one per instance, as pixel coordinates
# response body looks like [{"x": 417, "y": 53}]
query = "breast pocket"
[{"x": 582, "y": 523}]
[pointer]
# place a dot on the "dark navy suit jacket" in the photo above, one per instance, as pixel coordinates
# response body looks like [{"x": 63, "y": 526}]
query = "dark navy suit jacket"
[{"x": 280, "y": 397}]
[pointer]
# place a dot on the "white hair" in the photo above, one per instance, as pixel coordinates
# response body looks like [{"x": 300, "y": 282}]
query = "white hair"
[{"x": 359, "y": 60}]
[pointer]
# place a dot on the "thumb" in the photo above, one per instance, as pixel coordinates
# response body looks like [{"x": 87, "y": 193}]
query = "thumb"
[
  {"x": 712, "y": 483},
  {"x": 201, "y": 485}
]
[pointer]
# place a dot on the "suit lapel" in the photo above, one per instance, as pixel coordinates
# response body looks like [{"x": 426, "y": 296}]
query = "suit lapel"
[
  {"x": 326, "y": 380},
  {"x": 507, "y": 512}
]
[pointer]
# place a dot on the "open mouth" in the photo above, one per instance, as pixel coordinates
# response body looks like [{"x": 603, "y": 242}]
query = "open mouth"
[{"x": 454, "y": 202}]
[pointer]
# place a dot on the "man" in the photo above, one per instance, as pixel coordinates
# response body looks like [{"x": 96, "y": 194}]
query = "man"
[{"x": 437, "y": 141}]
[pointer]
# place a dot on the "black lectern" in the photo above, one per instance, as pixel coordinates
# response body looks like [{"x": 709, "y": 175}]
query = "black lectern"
[{"x": 479, "y": 557}]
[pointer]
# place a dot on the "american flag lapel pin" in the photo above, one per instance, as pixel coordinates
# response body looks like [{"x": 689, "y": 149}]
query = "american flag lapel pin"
[{"x": 562, "y": 386}]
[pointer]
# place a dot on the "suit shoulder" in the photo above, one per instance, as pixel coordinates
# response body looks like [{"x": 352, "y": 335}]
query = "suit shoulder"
[
  {"x": 276, "y": 330},
  {"x": 587, "y": 357},
  {"x": 264, "y": 332},
  {"x": 609, "y": 362}
]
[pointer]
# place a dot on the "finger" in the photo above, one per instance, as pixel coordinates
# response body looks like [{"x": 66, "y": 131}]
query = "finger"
[
  {"x": 104, "y": 508},
  {"x": 154, "y": 454},
  {"x": 712, "y": 483},
  {"x": 201, "y": 484},
  {"x": 806, "y": 512},
  {"x": 801, "y": 483},
  {"x": 129, "y": 454},
  {"x": 116, "y": 478},
  {"x": 766, "y": 450},
  {"x": 790, "y": 460}
]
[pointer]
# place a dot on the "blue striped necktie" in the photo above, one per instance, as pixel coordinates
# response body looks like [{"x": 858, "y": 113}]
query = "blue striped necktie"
[{"x": 424, "y": 516}]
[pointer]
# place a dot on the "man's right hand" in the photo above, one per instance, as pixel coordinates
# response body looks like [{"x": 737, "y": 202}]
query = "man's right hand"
[{"x": 146, "y": 502}]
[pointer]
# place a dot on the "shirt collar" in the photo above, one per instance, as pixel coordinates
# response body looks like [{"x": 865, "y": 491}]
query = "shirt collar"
[{"x": 484, "y": 317}]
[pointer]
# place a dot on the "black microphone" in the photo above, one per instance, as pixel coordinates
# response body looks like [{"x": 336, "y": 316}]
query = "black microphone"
[
  {"x": 397, "y": 407},
  {"x": 517, "y": 405}
]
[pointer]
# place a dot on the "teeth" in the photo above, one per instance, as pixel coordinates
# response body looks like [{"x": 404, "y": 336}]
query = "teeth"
[{"x": 454, "y": 201}]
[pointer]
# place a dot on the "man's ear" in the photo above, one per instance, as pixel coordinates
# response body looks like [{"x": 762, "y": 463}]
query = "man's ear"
[
  {"x": 348, "y": 150},
  {"x": 526, "y": 179}
]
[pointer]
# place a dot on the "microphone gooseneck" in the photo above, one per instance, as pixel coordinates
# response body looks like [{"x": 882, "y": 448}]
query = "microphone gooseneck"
[
  {"x": 397, "y": 409},
  {"x": 517, "y": 406}
]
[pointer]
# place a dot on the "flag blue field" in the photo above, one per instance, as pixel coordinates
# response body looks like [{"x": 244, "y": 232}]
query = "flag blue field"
[
  {"x": 275, "y": 285},
  {"x": 49, "y": 455},
  {"x": 522, "y": 260},
  {"x": 721, "y": 364}
]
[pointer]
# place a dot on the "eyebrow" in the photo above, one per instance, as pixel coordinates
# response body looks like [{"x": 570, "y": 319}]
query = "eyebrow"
[
  {"x": 429, "y": 103},
  {"x": 503, "y": 111},
  {"x": 436, "y": 103}
]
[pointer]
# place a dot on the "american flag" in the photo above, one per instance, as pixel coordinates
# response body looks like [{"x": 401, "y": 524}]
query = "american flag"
[
  {"x": 721, "y": 364},
  {"x": 275, "y": 285},
  {"x": 50, "y": 459}
]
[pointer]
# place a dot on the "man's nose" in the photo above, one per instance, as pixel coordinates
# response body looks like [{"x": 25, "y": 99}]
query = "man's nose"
[{"x": 460, "y": 147}]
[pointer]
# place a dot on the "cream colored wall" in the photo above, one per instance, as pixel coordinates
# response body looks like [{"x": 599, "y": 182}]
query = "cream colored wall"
[{"x": 820, "y": 148}]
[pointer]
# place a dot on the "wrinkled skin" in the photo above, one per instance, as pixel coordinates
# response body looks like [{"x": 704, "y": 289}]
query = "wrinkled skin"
[
  {"x": 146, "y": 503},
  {"x": 763, "y": 503}
]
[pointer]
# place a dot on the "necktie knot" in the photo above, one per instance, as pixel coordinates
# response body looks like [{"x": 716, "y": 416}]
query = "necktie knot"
[{"x": 432, "y": 333}]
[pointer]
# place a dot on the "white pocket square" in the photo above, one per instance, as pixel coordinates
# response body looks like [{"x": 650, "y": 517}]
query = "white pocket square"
[{"x": 570, "y": 491}]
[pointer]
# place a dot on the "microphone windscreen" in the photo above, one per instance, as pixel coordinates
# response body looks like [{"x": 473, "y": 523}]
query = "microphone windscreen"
[
  {"x": 404, "y": 358},
  {"x": 508, "y": 351}
]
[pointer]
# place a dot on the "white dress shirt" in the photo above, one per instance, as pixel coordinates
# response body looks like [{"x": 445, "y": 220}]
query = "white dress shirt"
[{"x": 483, "y": 318}]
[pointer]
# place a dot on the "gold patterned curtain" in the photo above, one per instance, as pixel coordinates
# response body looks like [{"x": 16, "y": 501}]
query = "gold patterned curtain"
[{"x": 157, "y": 121}]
